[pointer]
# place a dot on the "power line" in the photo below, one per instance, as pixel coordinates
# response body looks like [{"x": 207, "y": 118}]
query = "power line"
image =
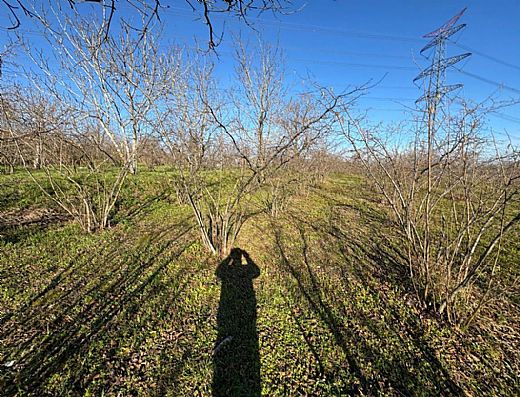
[
  {"x": 362, "y": 65},
  {"x": 305, "y": 27},
  {"x": 506, "y": 117},
  {"x": 505, "y": 134},
  {"x": 377, "y": 98},
  {"x": 317, "y": 28},
  {"x": 490, "y": 57},
  {"x": 388, "y": 109},
  {"x": 342, "y": 52},
  {"x": 489, "y": 81}
]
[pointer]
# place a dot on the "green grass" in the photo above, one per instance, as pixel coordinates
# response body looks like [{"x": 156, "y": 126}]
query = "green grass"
[
  {"x": 17, "y": 191},
  {"x": 136, "y": 310}
]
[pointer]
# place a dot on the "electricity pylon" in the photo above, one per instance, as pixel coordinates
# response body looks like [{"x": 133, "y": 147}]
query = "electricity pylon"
[
  {"x": 436, "y": 72},
  {"x": 435, "y": 90},
  {"x": 435, "y": 87}
]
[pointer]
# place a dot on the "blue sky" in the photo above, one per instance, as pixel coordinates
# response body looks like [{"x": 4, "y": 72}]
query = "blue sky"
[{"x": 341, "y": 43}]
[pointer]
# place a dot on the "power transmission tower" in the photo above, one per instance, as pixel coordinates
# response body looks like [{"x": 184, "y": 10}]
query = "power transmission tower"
[
  {"x": 436, "y": 72},
  {"x": 435, "y": 87},
  {"x": 435, "y": 90}
]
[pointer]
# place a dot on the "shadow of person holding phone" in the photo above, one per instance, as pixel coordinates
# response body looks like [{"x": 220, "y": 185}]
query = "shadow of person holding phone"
[{"x": 236, "y": 357}]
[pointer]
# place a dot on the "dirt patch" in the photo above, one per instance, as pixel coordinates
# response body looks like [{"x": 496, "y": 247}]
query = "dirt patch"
[{"x": 30, "y": 217}]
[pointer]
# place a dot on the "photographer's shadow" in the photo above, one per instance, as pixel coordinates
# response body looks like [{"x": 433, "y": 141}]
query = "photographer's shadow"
[{"x": 236, "y": 357}]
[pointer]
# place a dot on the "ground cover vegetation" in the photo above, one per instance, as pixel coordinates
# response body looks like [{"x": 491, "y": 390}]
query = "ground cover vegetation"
[
  {"x": 160, "y": 235},
  {"x": 137, "y": 309}
]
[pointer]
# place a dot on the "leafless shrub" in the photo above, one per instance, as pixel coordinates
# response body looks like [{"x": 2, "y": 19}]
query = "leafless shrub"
[
  {"x": 108, "y": 89},
  {"x": 248, "y": 138},
  {"x": 454, "y": 195}
]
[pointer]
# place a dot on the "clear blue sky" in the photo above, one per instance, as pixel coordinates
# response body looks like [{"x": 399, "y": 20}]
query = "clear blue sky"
[{"x": 348, "y": 42}]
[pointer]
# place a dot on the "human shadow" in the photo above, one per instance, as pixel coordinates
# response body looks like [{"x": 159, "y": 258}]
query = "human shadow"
[{"x": 236, "y": 357}]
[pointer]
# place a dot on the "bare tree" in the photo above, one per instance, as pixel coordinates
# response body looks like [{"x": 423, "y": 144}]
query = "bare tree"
[
  {"x": 113, "y": 81},
  {"x": 48, "y": 142},
  {"x": 8, "y": 133},
  {"x": 29, "y": 125},
  {"x": 111, "y": 88},
  {"x": 247, "y": 137},
  {"x": 148, "y": 12},
  {"x": 454, "y": 194}
]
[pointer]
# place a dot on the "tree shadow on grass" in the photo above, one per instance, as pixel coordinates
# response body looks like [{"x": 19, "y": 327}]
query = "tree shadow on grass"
[
  {"x": 141, "y": 208},
  {"x": 236, "y": 357},
  {"x": 88, "y": 308},
  {"x": 384, "y": 348}
]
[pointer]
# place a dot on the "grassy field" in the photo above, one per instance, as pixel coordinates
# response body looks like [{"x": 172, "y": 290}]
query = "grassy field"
[{"x": 141, "y": 310}]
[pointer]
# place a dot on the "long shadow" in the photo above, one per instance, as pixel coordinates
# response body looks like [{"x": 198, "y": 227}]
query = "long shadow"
[
  {"x": 236, "y": 357},
  {"x": 407, "y": 330},
  {"x": 77, "y": 324},
  {"x": 312, "y": 295},
  {"x": 395, "y": 370},
  {"x": 144, "y": 207}
]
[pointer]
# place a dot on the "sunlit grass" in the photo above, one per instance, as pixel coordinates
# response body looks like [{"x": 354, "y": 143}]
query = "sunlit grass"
[{"x": 133, "y": 310}]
